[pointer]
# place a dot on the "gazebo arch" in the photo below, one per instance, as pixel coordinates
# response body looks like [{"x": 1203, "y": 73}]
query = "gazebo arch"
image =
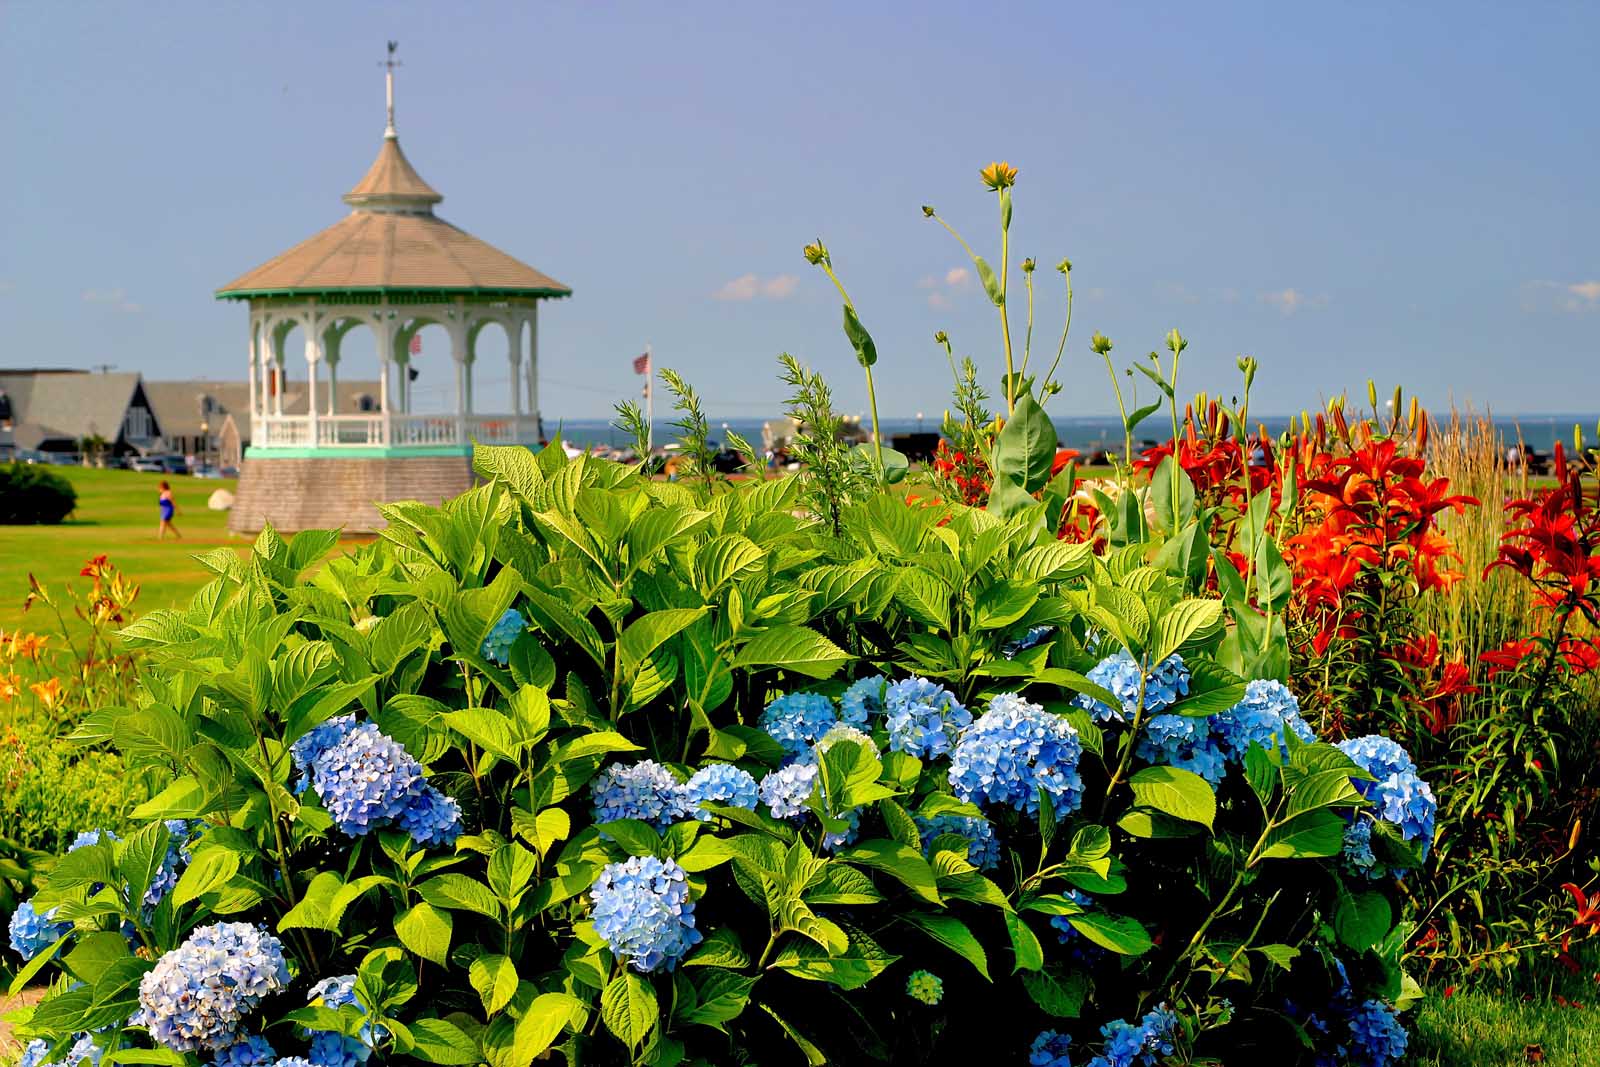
[{"x": 392, "y": 266}]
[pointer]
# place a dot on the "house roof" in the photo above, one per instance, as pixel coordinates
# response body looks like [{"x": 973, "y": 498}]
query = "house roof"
[
  {"x": 393, "y": 242},
  {"x": 72, "y": 406},
  {"x": 178, "y": 404}
]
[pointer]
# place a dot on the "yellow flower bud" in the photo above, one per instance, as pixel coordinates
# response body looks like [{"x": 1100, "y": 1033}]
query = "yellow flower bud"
[
  {"x": 1065, "y": 266},
  {"x": 815, "y": 253},
  {"x": 1028, "y": 265}
]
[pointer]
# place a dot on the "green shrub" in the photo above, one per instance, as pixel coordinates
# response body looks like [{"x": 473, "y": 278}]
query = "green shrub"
[
  {"x": 31, "y": 494},
  {"x": 54, "y": 788}
]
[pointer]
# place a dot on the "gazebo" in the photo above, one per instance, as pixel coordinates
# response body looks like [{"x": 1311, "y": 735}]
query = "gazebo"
[{"x": 393, "y": 267}]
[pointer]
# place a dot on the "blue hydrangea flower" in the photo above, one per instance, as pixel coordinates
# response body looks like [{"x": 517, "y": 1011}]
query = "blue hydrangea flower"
[
  {"x": 862, "y": 700},
  {"x": 1358, "y": 858},
  {"x": 91, "y": 837},
  {"x": 1066, "y": 933},
  {"x": 1398, "y": 796},
  {"x": 197, "y": 994},
  {"x": 1378, "y": 756},
  {"x": 507, "y": 628},
  {"x": 333, "y": 1049},
  {"x": 294, "y": 1061},
  {"x": 1012, "y": 752},
  {"x": 310, "y": 746},
  {"x": 925, "y": 986},
  {"x": 983, "y": 847},
  {"x": 643, "y": 911},
  {"x": 798, "y": 720},
  {"x": 720, "y": 783},
  {"x": 924, "y": 718},
  {"x": 431, "y": 818},
  {"x": 1266, "y": 712},
  {"x": 1119, "y": 673},
  {"x": 34, "y": 1054},
  {"x": 1376, "y": 1037},
  {"x": 787, "y": 791},
  {"x": 1030, "y": 637},
  {"x": 1051, "y": 1049},
  {"x": 645, "y": 790},
  {"x": 1143, "y": 1043},
  {"x": 32, "y": 932},
  {"x": 84, "y": 1050},
  {"x": 172, "y": 864},
  {"x": 832, "y": 842},
  {"x": 251, "y": 1050},
  {"x": 366, "y": 780},
  {"x": 1182, "y": 741}
]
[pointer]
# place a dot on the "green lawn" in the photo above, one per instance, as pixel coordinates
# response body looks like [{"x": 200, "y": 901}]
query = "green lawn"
[
  {"x": 117, "y": 517},
  {"x": 1483, "y": 1029}
]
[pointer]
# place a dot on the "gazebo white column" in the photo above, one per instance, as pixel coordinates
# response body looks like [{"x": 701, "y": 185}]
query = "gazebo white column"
[
  {"x": 313, "y": 345},
  {"x": 514, "y": 356},
  {"x": 457, "y": 327},
  {"x": 533, "y": 369},
  {"x": 383, "y": 334},
  {"x": 255, "y": 334}
]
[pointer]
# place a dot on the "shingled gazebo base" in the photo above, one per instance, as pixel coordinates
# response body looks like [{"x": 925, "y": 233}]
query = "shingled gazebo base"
[{"x": 325, "y": 493}]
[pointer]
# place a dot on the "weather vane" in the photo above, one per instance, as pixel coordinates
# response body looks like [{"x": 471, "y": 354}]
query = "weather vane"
[{"x": 388, "y": 78}]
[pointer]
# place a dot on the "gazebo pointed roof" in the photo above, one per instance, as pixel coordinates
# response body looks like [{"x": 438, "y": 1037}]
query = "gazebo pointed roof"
[
  {"x": 392, "y": 181},
  {"x": 392, "y": 242}
]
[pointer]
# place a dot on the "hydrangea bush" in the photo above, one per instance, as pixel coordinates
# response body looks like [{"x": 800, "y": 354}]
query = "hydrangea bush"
[{"x": 585, "y": 766}]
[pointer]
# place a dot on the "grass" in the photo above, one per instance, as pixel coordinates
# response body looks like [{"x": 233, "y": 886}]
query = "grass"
[
  {"x": 116, "y": 516},
  {"x": 1484, "y": 1029}
]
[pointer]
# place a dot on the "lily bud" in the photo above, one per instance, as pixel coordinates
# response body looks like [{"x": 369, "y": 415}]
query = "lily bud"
[
  {"x": 1577, "y": 831},
  {"x": 1065, "y": 266},
  {"x": 1561, "y": 462},
  {"x": 1028, "y": 265},
  {"x": 1339, "y": 423},
  {"x": 1175, "y": 342},
  {"x": 1372, "y": 393},
  {"x": 1247, "y": 366},
  {"x": 1100, "y": 343},
  {"x": 1415, "y": 414},
  {"x": 815, "y": 253},
  {"x": 1422, "y": 436},
  {"x": 1577, "y": 439},
  {"x": 999, "y": 176}
]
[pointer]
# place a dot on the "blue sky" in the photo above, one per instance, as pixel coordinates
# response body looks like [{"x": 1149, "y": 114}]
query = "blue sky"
[{"x": 1400, "y": 191}]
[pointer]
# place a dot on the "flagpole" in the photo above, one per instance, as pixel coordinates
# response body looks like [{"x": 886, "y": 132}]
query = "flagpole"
[{"x": 649, "y": 402}]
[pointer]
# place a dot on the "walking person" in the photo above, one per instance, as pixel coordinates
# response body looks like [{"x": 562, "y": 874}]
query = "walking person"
[{"x": 169, "y": 508}]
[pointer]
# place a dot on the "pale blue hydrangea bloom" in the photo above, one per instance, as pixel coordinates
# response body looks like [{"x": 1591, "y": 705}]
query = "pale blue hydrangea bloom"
[
  {"x": 507, "y": 628},
  {"x": 33, "y": 1055},
  {"x": 197, "y": 994},
  {"x": 431, "y": 818},
  {"x": 643, "y": 911},
  {"x": 1358, "y": 858},
  {"x": 1398, "y": 796},
  {"x": 91, "y": 837},
  {"x": 832, "y": 842},
  {"x": 798, "y": 720},
  {"x": 332, "y": 1049},
  {"x": 1119, "y": 673},
  {"x": 862, "y": 700},
  {"x": 33, "y": 932},
  {"x": 295, "y": 1061},
  {"x": 1266, "y": 712},
  {"x": 251, "y": 1050},
  {"x": 172, "y": 864},
  {"x": 645, "y": 790},
  {"x": 842, "y": 732},
  {"x": 983, "y": 847},
  {"x": 787, "y": 791},
  {"x": 1378, "y": 756},
  {"x": 84, "y": 1050},
  {"x": 1143, "y": 1043},
  {"x": 1182, "y": 741},
  {"x": 1376, "y": 1036},
  {"x": 1051, "y": 1049},
  {"x": 720, "y": 783},
  {"x": 925, "y": 986},
  {"x": 924, "y": 718},
  {"x": 366, "y": 780},
  {"x": 1012, "y": 752},
  {"x": 310, "y": 746},
  {"x": 1030, "y": 637},
  {"x": 1066, "y": 933}
]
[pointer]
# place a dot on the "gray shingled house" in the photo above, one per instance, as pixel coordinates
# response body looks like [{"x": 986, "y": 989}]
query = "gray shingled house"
[{"x": 54, "y": 411}]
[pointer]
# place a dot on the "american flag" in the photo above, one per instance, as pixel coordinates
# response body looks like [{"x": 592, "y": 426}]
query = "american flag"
[
  {"x": 416, "y": 344},
  {"x": 641, "y": 364}
]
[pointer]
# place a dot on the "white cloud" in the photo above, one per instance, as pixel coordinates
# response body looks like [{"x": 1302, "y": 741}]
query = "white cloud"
[
  {"x": 954, "y": 280},
  {"x": 1291, "y": 300},
  {"x": 1571, "y": 297},
  {"x": 112, "y": 298},
  {"x": 750, "y": 286},
  {"x": 956, "y": 277}
]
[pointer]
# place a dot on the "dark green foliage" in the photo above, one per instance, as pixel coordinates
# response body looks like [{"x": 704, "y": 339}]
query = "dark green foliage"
[{"x": 31, "y": 494}]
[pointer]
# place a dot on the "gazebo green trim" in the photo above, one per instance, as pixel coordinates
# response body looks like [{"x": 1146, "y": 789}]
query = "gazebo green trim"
[{"x": 374, "y": 294}]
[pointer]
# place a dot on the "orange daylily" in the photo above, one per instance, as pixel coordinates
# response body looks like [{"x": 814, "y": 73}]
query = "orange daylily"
[{"x": 48, "y": 692}]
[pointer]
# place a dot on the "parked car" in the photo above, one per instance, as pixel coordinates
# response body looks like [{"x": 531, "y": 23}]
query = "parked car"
[
  {"x": 206, "y": 470},
  {"x": 146, "y": 464},
  {"x": 174, "y": 465}
]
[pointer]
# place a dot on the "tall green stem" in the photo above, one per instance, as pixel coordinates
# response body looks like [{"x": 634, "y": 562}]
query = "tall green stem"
[
  {"x": 872, "y": 393},
  {"x": 1062, "y": 347},
  {"x": 1005, "y": 312}
]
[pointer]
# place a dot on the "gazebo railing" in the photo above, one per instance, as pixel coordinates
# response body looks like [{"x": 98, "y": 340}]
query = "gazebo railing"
[{"x": 397, "y": 431}]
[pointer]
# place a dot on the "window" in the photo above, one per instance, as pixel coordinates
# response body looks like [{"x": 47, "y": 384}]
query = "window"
[{"x": 137, "y": 425}]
